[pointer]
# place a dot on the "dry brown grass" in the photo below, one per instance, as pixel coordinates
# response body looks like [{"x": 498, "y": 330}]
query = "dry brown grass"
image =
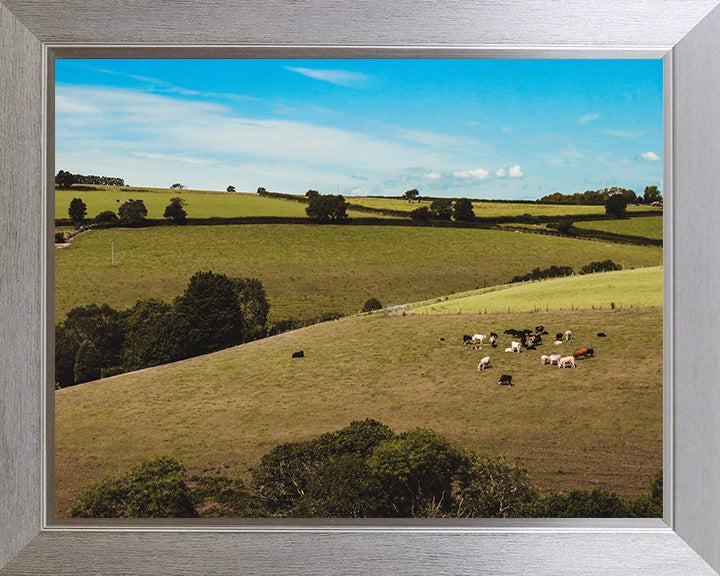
[{"x": 599, "y": 425}]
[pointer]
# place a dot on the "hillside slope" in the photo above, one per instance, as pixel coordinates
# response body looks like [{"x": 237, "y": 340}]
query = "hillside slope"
[{"x": 599, "y": 425}]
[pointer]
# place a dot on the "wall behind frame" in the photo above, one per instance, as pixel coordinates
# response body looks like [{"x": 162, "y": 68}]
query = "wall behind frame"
[
  {"x": 21, "y": 243},
  {"x": 696, "y": 143}
]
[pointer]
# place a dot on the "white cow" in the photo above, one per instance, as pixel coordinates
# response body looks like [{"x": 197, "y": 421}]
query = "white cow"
[
  {"x": 515, "y": 346},
  {"x": 480, "y": 338},
  {"x": 568, "y": 335},
  {"x": 544, "y": 359},
  {"x": 557, "y": 342},
  {"x": 566, "y": 361},
  {"x": 484, "y": 363},
  {"x": 554, "y": 358},
  {"x": 509, "y": 350}
]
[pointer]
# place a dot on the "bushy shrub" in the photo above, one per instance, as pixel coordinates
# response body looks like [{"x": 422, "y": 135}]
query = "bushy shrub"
[
  {"x": 106, "y": 217},
  {"x": 59, "y": 237},
  {"x": 550, "y": 272},
  {"x": 372, "y": 304},
  {"x": 156, "y": 488},
  {"x": 421, "y": 214},
  {"x": 577, "y": 504},
  {"x": 600, "y": 266}
]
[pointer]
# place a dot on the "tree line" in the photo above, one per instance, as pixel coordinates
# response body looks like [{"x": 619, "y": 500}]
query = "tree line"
[
  {"x": 561, "y": 271},
  {"x": 132, "y": 213},
  {"x": 600, "y": 197},
  {"x": 64, "y": 179},
  {"x": 214, "y": 312},
  {"x": 364, "y": 470}
]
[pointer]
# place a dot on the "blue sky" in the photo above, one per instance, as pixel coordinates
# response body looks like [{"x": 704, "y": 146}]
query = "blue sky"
[{"x": 516, "y": 129}]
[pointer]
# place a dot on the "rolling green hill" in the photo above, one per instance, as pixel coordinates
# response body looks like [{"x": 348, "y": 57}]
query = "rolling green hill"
[
  {"x": 599, "y": 425},
  {"x": 311, "y": 269},
  {"x": 641, "y": 287},
  {"x": 199, "y": 203},
  {"x": 648, "y": 227}
]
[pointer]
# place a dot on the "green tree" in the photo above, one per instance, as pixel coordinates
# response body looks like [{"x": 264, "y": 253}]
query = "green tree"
[
  {"x": 231, "y": 188},
  {"x": 177, "y": 186},
  {"x": 261, "y": 191},
  {"x": 421, "y": 214},
  {"x": 254, "y": 306},
  {"x": 442, "y": 208},
  {"x": 463, "y": 210},
  {"x": 77, "y": 210},
  {"x": 493, "y": 488},
  {"x": 327, "y": 208},
  {"x": 416, "y": 470},
  {"x": 651, "y": 194},
  {"x": 99, "y": 325},
  {"x": 616, "y": 205},
  {"x": 156, "y": 488},
  {"x": 312, "y": 194},
  {"x": 88, "y": 364},
  {"x": 132, "y": 213},
  {"x": 146, "y": 338},
  {"x": 175, "y": 211},
  {"x": 64, "y": 179},
  {"x": 211, "y": 309},
  {"x": 411, "y": 194},
  {"x": 372, "y": 304}
]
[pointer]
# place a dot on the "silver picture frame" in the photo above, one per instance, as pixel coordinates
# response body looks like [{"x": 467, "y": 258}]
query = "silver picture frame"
[{"x": 685, "y": 33}]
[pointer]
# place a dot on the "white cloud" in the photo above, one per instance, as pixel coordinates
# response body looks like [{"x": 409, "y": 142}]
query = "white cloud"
[
  {"x": 588, "y": 118},
  {"x": 432, "y": 176},
  {"x": 340, "y": 77},
  {"x": 501, "y": 173},
  {"x": 515, "y": 171},
  {"x": 478, "y": 173},
  {"x": 650, "y": 156},
  {"x": 622, "y": 133}
]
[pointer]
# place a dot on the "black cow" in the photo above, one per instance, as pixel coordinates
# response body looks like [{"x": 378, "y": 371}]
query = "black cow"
[
  {"x": 590, "y": 352},
  {"x": 492, "y": 334},
  {"x": 467, "y": 339},
  {"x": 601, "y": 335},
  {"x": 559, "y": 336},
  {"x": 539, "y": 329},
  {"x": 505, "y": 380},
  {"x": 299, "y": 354}
]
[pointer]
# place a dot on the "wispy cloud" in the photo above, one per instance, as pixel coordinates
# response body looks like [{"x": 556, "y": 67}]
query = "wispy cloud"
[
  {"x": 650, "y": 156},
  {"x": 341, "y": 77},
  {"x": 478, "y": 173},
  {"x": 501, "y": 173},
  {"x": 623, "y": 133},
  {"x": 588, "y": 118}
]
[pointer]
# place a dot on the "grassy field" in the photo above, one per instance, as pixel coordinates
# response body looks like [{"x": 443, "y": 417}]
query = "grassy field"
[
  {"x": 599, "y": 425},
  {"x": 641, "y": 287},
  {"x": 490, "y": 209},
  {"x": 308, "y": 270},
  {"x": 200, "y": 204},
  {"x": 648, "y": 227}
]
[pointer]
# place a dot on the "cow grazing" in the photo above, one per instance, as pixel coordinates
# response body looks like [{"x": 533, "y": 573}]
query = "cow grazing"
[
  {"x": 467, "y": 339},
  {"x": 544, "y": 359},
  {"x": 515, "y": 346},
  {"x": 559, "y": 336},
  {"x": 590, "y": 353},
  {"x": 480, "y": 338},
  {"x": 602, "y": 335},
  {"x": 299, "y": 354},
  {"x": 580, "y": 353},
  {"x": 568, "y": 335},
  {"x": 539, "y": 329},
  {"x": 484, "y": 363},
  {"x": 505, "y": 380},
  {"x": 554, "y": 358},
  {"x": 493, "y": 341},
  {"x": 493, "y": 335},
  {"x": 567, "y": 361}
]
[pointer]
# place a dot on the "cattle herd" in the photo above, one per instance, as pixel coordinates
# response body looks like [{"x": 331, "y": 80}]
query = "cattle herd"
[{"x": 529, "y": 340}]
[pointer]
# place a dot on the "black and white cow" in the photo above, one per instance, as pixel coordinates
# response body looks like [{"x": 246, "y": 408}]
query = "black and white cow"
[{"x": 505, "y": 380}]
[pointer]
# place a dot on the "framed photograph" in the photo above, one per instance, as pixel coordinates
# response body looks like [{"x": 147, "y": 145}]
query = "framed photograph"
[{"x": 684, "y": 542}]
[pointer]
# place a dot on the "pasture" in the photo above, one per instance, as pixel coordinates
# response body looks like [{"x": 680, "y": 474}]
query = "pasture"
[
  {"x": 648, "y": 227},
  {"x": 199, "y": 204},
  {"x": 490, "y": 209},
  {"x": 598, "y": 425},
  {"x": 311, "y": 269},
  {"x": 641, "y": 287}
]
